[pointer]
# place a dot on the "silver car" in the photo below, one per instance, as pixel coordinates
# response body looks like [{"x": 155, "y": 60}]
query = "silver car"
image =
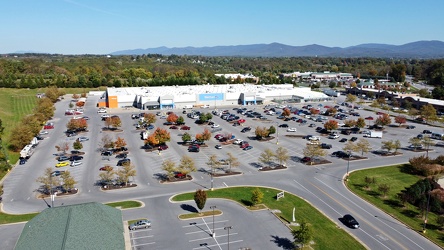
[{"x": 140, "y": 224}]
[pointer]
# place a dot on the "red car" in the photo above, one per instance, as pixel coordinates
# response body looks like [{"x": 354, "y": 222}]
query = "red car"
[
  {"x": 180, "y": 175},
  {"x": 106, "y": 168},
  {"x": 244, "y": 145},
  {"x": 48, "y": 125},
  {"x": 163, "y": 147},
  {"x": 173, "y": 127},
  {"x": 185, "y": 128}
]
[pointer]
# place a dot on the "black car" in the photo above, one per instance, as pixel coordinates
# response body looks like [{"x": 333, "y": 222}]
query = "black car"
[
  {"x": 22, "y": 161},
  {"x": 123, "y": 161},
  {"x": 122, "y": 155},
  {"x": 410, "y": 127},
  {"x": 343, "y": 140},
  {"x": 350, "y": 221},
  {"x": 63, "y": 158},
  {"x": 107, "y": 153},
  {"x": 245, "y": 129},
  {"x": 353, "y": 138},
  {"x": 325, "y": 146},
  {"x": 426, "y": 132},
  {"x": 285, "y": 125},
  {"x": 75, "y": 158},
  {"x": 193, "y": 149}
]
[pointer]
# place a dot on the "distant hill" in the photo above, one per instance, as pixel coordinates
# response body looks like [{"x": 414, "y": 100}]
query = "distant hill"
[{"x": 420, "y": 49}]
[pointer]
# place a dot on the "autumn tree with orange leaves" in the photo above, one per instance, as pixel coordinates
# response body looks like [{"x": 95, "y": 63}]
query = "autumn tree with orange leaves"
[
  {"x": 120, "y": 142},
  {"x": 75, "y": 124},
  {"x": 331, "y": 125},
  {"x": 158, "y": 137},
  {"x": 383, "y": 120},
  {"x": 149, "y": 118},
  {"x": 172, "y": 118},
  {"x": 286, "y": 112}
]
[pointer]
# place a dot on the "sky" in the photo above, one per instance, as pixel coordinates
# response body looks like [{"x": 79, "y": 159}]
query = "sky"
[{"x": 105, "y": 26}]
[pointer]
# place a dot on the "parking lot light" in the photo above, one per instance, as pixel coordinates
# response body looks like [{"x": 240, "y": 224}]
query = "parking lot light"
[
  {"x": 348, "y": 164},
  {"x": 228, "y": 228},
  {"x": 213, "y": 233},
  {"x": 277, "y": 133}
]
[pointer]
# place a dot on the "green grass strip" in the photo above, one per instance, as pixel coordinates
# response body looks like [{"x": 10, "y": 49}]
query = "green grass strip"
[
  {"x": 125, "y": 204},
  {"x": 398, "y": 180},
  {"x": 326, "y": 233}
]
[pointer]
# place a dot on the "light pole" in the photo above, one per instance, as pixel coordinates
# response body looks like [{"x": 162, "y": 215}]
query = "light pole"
[
  {"x": 348, "y": 164},
  {"x": 51, "y": 192},
  {"x": 427, "y": 212},
  {"x": 277, "y": 133},
  {"x": 211, "y": 174},
  {"x": 213, "y": 233},
  {"x": 228, "y": 228},
  {"x": 215, "y": 99}
]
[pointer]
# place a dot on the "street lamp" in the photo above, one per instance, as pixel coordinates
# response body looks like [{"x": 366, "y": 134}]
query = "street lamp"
[
  {"x": 228, "y": 228},
  {"x": 427, "y": 212},
  {"x": 277, "y": 133},
  {"x": 211, "y": 174},
  {"x": 348, "y": 163},
  {"x": 214, "y": 233},
  {"x": 215, "y": 99}
]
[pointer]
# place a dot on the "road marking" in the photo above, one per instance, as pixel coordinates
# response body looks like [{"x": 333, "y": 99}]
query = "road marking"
[
  {"x": 317, "y": 197},
  {"x": 149, "y": 236},
  {"x": 89, "y": 190},
  {"x": 148, "y": 183},
  {"x": 225, "y": 184},
  {"x": 144, "y": 244},
  {"x": 28, "y": 198},
  {"x": 221, "y": 244},
  {"x": 369, "y": 214},
  {"x": 199, "y": 224},
  {"x": 12, "y": 199}
]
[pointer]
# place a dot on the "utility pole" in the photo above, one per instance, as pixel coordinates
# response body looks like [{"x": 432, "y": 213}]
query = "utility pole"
[{"x": 213, "y": 233}]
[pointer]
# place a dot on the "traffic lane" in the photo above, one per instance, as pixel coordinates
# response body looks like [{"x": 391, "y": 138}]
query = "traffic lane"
[
  {"x": 383, "y": 228},
  {"x": 9, "y": 234}
]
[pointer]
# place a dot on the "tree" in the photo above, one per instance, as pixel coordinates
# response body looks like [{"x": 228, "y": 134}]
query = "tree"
[
  {"x": 200, "y": 197},
  {"x": 21, "y": 135},
  {"x": 53, "y": 94},
  {"x": 106, "y": 177},
  {"x": 351, "y": 98},
  {"x": 187, "y": 165},
  {"x": 206, "y": 135},
  {"x": 363, "y": 145},
  {"x": 261, "y": 132},
  {"x": 286, "y": 112},
  {"x": 232, "y": 161},
  {"x": 120, "y": 142},
  {"x": 350, "y": 123},
  {"x": 351, "y": 146},
  {"x": 282, "y": 156},
  {"x": 428, "y": 112},
  {"x": 331, "y": 125},
  {"x": 149, "y": 118},
  {"x": 186, "y": 137},
  {"x": 271, "y": 130},
  {"x": 267, "y": 157},
  {"x": 172, "y": 118},
  {"x": 77, "y": 124},
  {"x": 400, "y": 119},
  {"x": 213, "y": 162},
  {"x": 303, "y": 235},
  {"x": 390, "y": 145},
  {"x": 125, "y": 172},
  {"x": 107, "y": 141},
  {"x": 331, "y": 111},
  {"x": 256, "y": 196},
  {"x": 360, "y": 123},
  {"x": 313, "y": 151},
  {"x": 48, "y": 181},
  {"x": 384, "y": 189},
  {"x": 169, "y": 166},
  {"x": 416, "y": 142},
  {"x": 63, "y": 146},
  {"x": 158, "y": 137},
  {"x": 45, "y": 107},
  {"x": 68, "y": 181},
  {"x": 383, "y": 120},
  {"x": 180, "y": 120},
  {"x": 77, "y": 145},
  {"x": 413, "y": 113},
  {"x": 368, "y": 181},
  {"x": 427, "y": 142}
]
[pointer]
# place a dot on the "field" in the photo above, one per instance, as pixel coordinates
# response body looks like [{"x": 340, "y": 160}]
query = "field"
[
  {"x": 326, "y": 233},
  {"x": 397, "y": 180}
]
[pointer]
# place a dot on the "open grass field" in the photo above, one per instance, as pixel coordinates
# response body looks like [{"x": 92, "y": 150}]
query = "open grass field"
[
  {"x": 326, "y": 233},
  {"x": 17, "y": 103},
  {"x": 397, "y": 180}
]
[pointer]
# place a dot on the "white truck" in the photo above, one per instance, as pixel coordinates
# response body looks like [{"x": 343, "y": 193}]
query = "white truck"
[
  {"x": 374, "y": 134},
  {"x": 144, "y": 134},
  {"x": 26, "y": 151},
  {"x": 188, "y": 106}
]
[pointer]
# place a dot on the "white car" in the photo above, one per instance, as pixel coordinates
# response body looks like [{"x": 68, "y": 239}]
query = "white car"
[
  {"x": 333, "y": 136},
  {"x": 83, "y": 138},
  {"x": 105, "y": 116},
  {"x": 43, "y": 132},
  {"x": 238, "y": 141},
  {"x": 102, "y": 111},
  {"x": 215, "y": 126},
  {"x": 291, "y": 129},
  {"x": 76, "y": 163}
]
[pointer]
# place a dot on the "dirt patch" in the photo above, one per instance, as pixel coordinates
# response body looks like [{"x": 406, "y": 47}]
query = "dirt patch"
[
  {"x": 60, "y": 194},
  {"x": 111, "y": 129},
  {"x": 264, "y": 169},
  {"x": 115, "y": 187},
  {"x": 173, "y": 180},
  {"x": 226, "y": 174},
  {"x": 320, "y": 162},
  {"x": 355, "y": 158},
  {"x": 295, "y": 136}
]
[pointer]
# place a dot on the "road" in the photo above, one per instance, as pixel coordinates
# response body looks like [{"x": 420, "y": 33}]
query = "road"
[{"x": 320, "y": 185}]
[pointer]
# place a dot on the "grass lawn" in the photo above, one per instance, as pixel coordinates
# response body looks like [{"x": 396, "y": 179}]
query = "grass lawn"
[
  {"x": 125, "y": 204},
  {"x": 13, "y": 218},
  {"x": 326, "y": 233},
  {"x": 397, "y": 180},
  {"x": 198, "y": 215}
]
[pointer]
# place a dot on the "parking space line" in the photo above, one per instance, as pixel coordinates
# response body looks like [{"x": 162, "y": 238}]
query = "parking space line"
[
  {"x": 198, "y": 224},
  {"x": 221, "y": 244},
  {"x": 199, "y": 231},
  {"x": 149, "y": 236},
  {"x": 150, "y": 243}
]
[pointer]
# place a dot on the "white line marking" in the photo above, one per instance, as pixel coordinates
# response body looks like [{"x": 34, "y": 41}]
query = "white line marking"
[
  {"x": 225, "y": 184},
  {"x": 149, "y": 236},
  {"x": 318, "y": 198},
  {"x": 221, "y": 244},
  {"x": 28, "y": 198},
  {"x": 144, "y": 244}
]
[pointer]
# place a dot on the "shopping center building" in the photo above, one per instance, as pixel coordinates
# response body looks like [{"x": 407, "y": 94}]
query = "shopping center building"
[{"x": 168, "y": 97}]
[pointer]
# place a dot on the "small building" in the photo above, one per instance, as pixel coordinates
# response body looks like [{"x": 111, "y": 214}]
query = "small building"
[{"x": 82, "y": 226}]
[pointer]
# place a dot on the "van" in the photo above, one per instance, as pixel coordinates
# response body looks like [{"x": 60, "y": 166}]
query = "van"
[{"x": 437, "y": 136}]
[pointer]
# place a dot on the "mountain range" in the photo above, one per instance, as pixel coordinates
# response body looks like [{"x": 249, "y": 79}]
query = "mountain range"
[{"x": 419, "y": 49}]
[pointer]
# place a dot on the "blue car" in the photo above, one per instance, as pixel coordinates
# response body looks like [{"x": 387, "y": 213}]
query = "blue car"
[{"x": 248, "y": 148}]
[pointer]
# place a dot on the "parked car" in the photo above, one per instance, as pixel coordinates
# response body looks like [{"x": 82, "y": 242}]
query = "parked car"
[
  {"x": 106, "y": 168},
  {"x": 353, "y": 138},
  {"x": 57, "y": 173},
  {"x": 185, "y": 128},
  {"x": 194, "y": 148},
  {"x": 107, "y": 153},
  {"x": 62, "y": 164},
  {"x": 410, "y": 127},
  {"x": 22, "y": 161},
  {"x": 325, "y": 146},
  {"x": 76, "y": 163},
  {"x": 350, "y": 221},
  {"x": 101, "y": 110},
  {"x": 246, "y": 129},
  {"x": 63, "y": 158},
  {"x": 248, "y": 148},
  {"x": 43, "y": 132},
  {"x": 121, "y": 155},
  {"x": 333, "y": 136},
  {"x": 75, "y": 158},
  {"x": 218, "y": 146},
  {"x": 426, "y": 131},
  {"x": 163, "y": 147},
  {"x": 283, "y": 125},
  {"x": 140, "y": 224},
  {"x": 123, "y": 162},
  {"x": 343, "y": 140},
  {"x": 306, "y": 159},
  {"x": 83, "y": 138},
  {"x": 291, "y": 129}
]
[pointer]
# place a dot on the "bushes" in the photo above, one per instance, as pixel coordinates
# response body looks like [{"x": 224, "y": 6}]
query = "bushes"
[{"x": 425, "y": 166}]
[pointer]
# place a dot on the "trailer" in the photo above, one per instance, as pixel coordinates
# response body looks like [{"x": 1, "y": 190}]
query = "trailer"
[
  {"x": 27, "y": 151},
  {"x": 374, "y": 134}
]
